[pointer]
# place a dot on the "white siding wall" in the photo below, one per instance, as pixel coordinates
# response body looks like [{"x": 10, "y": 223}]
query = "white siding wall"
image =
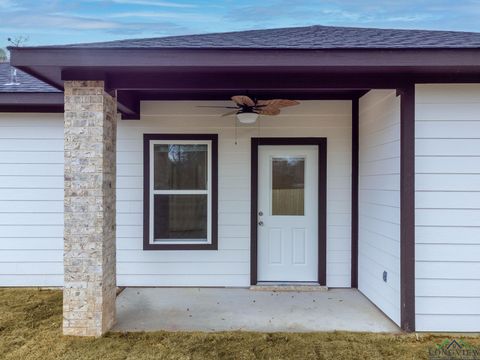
[
  {"x": 31, "y": 199},
  {"x": 379, "y": 200},
  {"x": 31, "y": 195},
  {"x": 447, "y": 207},
  {"x": 230, "y": 265}
]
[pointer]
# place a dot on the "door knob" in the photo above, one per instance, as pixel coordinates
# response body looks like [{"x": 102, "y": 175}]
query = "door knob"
[{"x": 260, "y": 223}]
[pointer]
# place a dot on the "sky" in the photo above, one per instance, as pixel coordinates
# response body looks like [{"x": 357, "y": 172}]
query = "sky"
[{"x": 51, "y": 22}]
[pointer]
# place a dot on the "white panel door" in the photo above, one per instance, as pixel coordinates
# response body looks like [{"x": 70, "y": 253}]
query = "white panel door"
[{"x": 288, "y": 213}]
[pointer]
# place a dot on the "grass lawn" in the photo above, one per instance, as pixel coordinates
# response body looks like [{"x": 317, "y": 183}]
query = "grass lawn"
[{"x": 30, "y": 328}]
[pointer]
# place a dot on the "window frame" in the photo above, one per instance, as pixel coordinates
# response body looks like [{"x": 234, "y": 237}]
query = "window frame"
[{"x": 149, "y": 140}]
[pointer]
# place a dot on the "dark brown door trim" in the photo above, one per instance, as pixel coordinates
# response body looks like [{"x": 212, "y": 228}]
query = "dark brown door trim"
[
  {"x": 407, "y": 207},
  {"x": 322, "y": 201}
]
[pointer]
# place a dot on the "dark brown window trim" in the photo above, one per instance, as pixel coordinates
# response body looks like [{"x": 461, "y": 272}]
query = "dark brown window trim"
[
  {"x": 146, "y": 192},
  {"x": 322, "y": 201}
]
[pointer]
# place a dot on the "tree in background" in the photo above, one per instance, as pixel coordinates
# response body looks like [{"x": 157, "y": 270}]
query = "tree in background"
[
  {"x": 16, "y": 42},
  {"x": 3, "y": 55}
]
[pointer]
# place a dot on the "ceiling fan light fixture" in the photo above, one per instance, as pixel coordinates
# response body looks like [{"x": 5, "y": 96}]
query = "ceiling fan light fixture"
[{"x": 247, "y": 117}]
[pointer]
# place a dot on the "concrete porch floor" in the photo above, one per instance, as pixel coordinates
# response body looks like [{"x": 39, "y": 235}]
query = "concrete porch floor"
[{"x": 222, "y": 309}]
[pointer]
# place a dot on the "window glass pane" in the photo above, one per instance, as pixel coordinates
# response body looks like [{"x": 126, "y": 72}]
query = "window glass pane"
[
  {"x": 288, "y": 184},
  {"x": 180, "y": 167},
  {"x": 180, "y": 217}
]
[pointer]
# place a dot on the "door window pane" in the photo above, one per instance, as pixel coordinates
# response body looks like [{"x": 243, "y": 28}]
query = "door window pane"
[
  {"x": 180, "y": 166},
  {"x": 288, "y": 186},
  {"x": 180, "y": 217}
]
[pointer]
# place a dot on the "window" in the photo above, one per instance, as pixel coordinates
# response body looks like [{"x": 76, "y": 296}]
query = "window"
[
  {"x": 180, "y": 192},
  {"x": 288, "y": 183}
]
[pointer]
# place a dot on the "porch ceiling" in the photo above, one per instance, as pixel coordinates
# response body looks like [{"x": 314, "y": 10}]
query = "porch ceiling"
[{"x": 217, "y": 74}]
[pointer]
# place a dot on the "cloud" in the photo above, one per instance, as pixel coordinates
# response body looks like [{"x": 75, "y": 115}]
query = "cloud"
[
  {"x": 57, "y": 21},
  {"x": 154, "y": 3},
  {"x": 61, "y": 22},
  {"x": 148, "y": 30},
  {"x": 10, "y": 5},
  {"x": 163, "y": 15},
  {"x": 421, "y": 14}
]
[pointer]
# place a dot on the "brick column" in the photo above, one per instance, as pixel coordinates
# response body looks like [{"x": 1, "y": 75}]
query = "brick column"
[{"x": 89, "y": 236}]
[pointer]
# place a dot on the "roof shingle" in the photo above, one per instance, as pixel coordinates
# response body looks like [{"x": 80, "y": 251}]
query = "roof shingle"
[
  {"x": 311, "y": 37},
  {"x": 26, "y": 82}
]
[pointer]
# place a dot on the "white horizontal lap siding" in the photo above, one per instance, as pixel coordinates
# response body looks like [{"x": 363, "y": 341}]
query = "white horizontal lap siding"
[
  {"x": 379, "y": 200},
  {"x": 31, "y": 195},
  {"x": 447, "y": 207},
  {"x": 31, "y": 199},
  {"x": 230, "y": 265}
]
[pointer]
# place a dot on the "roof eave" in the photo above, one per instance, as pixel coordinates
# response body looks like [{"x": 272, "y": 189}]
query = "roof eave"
[
  {"x": 31, "y": 98},
  {"x": 53, "y": 102},
  {"x": 239, "y": 57},
  {"x": 246, "y": 48},
  {"x": 229, "y": 70},
  {"x": 31, "y": 102}
]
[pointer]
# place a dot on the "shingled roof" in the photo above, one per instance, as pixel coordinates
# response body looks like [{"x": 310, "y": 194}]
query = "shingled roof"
[
  {"x": 301, "y": 38},
  {"x": 311, "y": 37},
  {"x": 25, "y": 83}
]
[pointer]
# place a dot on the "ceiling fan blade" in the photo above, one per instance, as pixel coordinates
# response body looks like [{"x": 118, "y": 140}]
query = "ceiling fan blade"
[
  {"x": 278, "y": 102},
  {"x": 269, "y": 110},
  {"x": 243, "y": 100},
  {"x": 230, "y": 113},
  {"x": 216, "y": 107}
]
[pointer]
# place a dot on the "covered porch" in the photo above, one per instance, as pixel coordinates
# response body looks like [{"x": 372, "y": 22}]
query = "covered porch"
[
  {"x": 233, "y": 309},
  {"x": 138, "y": 84}
]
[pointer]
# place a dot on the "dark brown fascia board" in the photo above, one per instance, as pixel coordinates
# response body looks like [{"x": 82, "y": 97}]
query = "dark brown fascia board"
[
  {"x": 29, "y": 108},
  {"x": 31, "y": 98},
  {"x": 51, "y": 102},
  {"x": 158, "y": 57},
  {"x": 240, "y": 48},
  {"x": 128, "y": 105}
]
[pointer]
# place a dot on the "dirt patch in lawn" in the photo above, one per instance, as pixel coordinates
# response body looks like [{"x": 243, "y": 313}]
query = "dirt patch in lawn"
[{"x": 30, "y": 328}]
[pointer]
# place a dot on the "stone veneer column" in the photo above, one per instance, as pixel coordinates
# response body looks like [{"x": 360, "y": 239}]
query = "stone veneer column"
[{"x": 89, "y": 236}]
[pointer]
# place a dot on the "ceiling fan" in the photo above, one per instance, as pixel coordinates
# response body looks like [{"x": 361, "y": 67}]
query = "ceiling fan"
[{"x": 248, "y": 110}]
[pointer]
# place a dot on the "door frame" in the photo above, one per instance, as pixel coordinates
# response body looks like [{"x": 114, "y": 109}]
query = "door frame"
[{"x": 321, "y": 142}]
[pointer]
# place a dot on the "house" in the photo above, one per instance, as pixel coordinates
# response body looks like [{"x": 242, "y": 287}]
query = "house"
[{"x": 372, "y": 181}]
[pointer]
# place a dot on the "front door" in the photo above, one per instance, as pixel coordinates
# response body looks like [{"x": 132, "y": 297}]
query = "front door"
[{"x": 287, "y": 213}]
